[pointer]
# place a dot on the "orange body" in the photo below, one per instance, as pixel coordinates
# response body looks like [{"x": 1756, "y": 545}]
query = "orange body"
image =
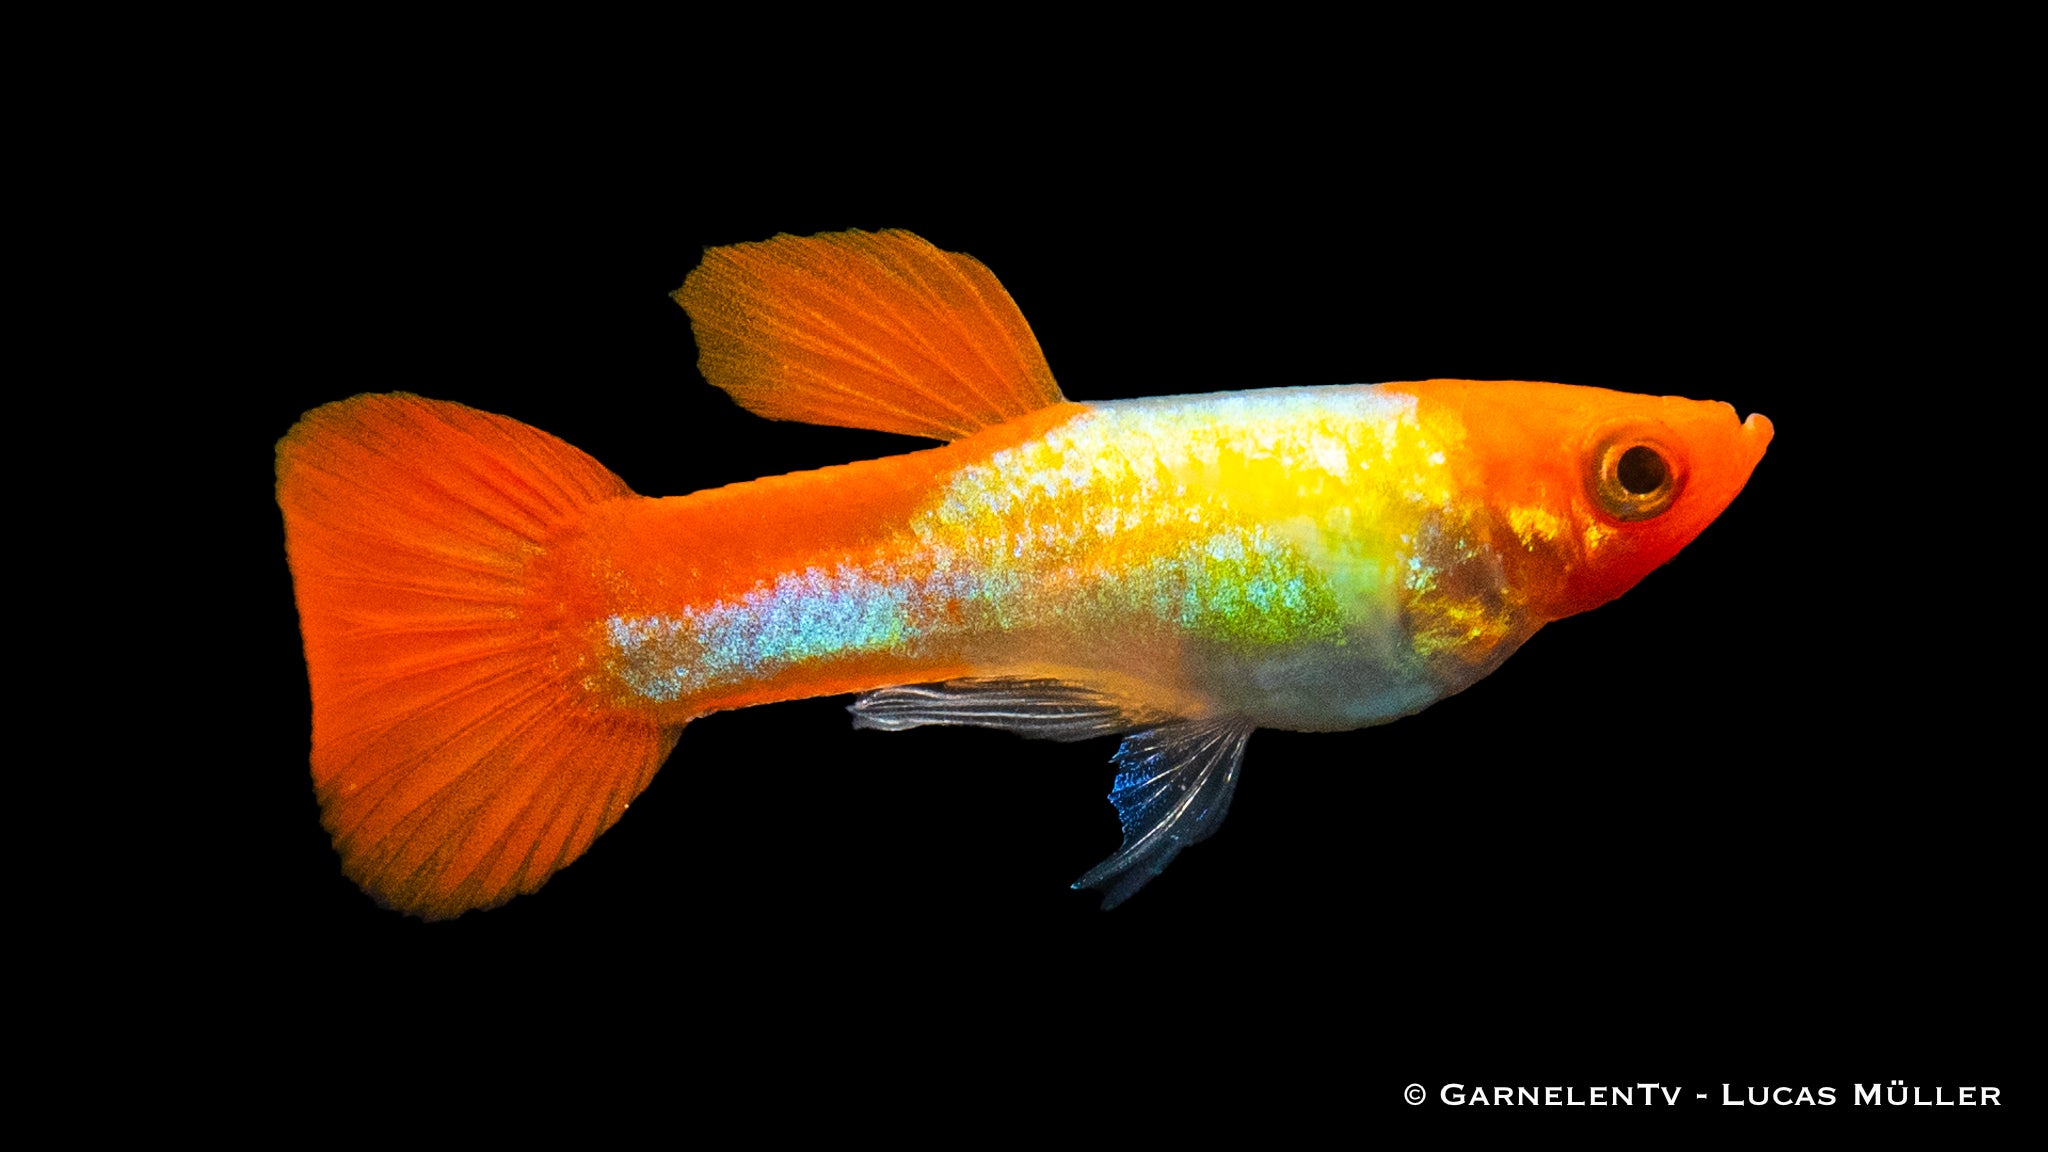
[{"x": 504, "y": 642}]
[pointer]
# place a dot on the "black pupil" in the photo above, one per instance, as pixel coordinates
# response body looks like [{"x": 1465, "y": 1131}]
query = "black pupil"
[{"x": 1641, "y": 471}]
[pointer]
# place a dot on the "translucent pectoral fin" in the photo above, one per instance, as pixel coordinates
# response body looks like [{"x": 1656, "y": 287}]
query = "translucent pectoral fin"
[
  {"x": 1040, "y": 709},
  {"x": 1172, "y": 789}
]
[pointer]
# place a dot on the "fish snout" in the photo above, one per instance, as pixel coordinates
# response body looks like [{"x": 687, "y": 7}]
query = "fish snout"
[{"x": 1756, "y": 436}]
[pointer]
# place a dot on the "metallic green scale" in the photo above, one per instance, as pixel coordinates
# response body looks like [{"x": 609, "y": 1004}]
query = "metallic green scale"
[
  {"x": 1260, "y": 549},
  {"x": 1257, "y": 551}
]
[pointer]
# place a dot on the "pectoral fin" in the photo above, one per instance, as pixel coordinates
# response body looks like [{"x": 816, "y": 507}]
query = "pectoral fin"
[{"x": 1172, "y": 789}]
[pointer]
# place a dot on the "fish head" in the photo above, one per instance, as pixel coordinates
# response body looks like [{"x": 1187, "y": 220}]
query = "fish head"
[{"x": 1589, "y": 490}]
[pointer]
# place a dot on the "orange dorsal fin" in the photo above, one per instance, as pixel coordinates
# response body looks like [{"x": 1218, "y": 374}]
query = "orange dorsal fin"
[
  {"x": 457, "y": 762},
  {"x": 872, "y": 330}
]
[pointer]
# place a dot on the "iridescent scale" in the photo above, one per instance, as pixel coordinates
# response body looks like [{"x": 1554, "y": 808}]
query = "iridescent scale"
[{"x": 1256, "y": 553}]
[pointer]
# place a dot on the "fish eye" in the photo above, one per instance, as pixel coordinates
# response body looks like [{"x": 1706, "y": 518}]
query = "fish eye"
[
  {"x": 1634, "y": 478},
  {"x": 1641, "y": 470}
]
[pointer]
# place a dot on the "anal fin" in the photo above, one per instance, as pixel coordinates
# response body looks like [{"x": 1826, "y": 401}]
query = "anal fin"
[
  {"x": 1174, "y": 777},
  {"x": 1173, "y": 786},
  {"x": 1039, "y": 709}
]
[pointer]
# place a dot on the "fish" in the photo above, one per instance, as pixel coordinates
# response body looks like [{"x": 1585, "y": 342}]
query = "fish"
[{"x": 504, "y": 642}]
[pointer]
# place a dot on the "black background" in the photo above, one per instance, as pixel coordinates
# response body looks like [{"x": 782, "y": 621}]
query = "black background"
[{"x": 1741, "y": 825}]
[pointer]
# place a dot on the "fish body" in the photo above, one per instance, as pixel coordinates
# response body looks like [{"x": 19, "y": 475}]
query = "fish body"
[{"x": 505, "y": 642}]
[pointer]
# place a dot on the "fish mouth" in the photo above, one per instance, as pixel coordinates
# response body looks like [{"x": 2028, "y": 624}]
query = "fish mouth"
[{"x": 1756, "y": 436}]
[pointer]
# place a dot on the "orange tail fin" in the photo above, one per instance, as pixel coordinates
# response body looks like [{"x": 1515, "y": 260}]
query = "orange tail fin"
[{"x": 457, "y": 763}]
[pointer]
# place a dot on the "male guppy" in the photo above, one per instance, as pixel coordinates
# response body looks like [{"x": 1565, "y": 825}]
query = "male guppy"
[{"x": 504, "y": 642}]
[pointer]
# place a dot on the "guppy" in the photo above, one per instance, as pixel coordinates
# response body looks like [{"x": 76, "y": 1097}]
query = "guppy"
[{"x": 504, "y": 642}]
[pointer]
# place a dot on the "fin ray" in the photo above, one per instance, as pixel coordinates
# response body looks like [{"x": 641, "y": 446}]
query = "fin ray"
[
  {"x": 875, "y": 330},
  {"x": 1038, "y": 709},
  {"x": 1173, "y": 789},
  {"x": 455, "y": 763}
]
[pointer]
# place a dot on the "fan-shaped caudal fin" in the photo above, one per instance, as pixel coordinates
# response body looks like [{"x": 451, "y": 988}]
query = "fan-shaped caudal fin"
[
  {"x": 865, "y": 330},
  {"x": 456, "y": 765}
]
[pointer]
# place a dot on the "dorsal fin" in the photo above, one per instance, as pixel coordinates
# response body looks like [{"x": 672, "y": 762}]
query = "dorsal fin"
[{"x": 872, "y": 330}]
